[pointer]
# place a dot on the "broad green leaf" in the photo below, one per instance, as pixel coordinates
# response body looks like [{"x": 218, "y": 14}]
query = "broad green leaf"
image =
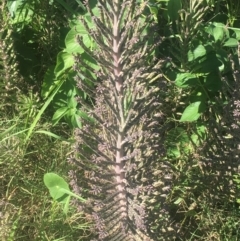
[
  {"x": 173, "y": 7},
  {"x": 207, "y": 63},
  {"x": 219, "y": 24},
  {"x": 23, "y": 15},
  {"x": 72, "y": 102},
  {"x": 57, "y": 186},
  {"x": 90, "y": 62},
  {"x": 192, "y": 112},
  {"x": 201, "y": 131},
  {"x": 75, "y": 121},
  {"x": 185, "y": 80},
  {"x": 198, "y": 52},
  {"x": 64, "y": 62},
  {"x": 87, "y": 16},
  {"x": 72, "y": 92},
  {"x": 231, "y": 42},
  {"x": 237, "y": 32},
  {"x": 13, "y": 6},
  {"x": 59, "y": 114},
  {"x": 70, "y": 113},
  {"x": 218, "y": 33},
  {"x": 200, "y": 134},
  {"x": 49, "y": 82},
  {"x": 71, "y": 42}
]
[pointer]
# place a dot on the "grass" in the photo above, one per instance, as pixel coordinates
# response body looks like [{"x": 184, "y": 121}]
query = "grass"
[
  {"x": 30, "y": 147},
  {"x": 26, "y": 209}
]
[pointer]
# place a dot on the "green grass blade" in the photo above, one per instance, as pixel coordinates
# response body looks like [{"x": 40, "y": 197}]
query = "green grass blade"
[
  {"x": 7, "y": 131},
  {"x": 15, "y": 134},
  {"x": 50, "y": 134},
  {"x": 50, "y": 98}
]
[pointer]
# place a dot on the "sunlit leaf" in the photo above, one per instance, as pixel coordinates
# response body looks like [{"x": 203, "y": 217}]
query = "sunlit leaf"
[
  {"x": 57, "y": 186},
  {"x": 192, "y": 112},
  {"x": 59, "y": 114},
  {"x": 197, "y": 52},
  {"x": 231, "y": 42},
  {"x": 185, "y": 80}
]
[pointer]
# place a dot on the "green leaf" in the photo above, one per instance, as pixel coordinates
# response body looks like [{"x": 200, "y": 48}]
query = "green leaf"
[
  {"x": 13, "y": 6},
  {"x": 200, "y": 134},
  {"x": 207, "y": 63},
  {"x": 231, "y": 42},
  {"x": 237, "y": 32},
  {"x": 85, "y": 116},
  {"x": 218, "y": 33},
  {"x": 57, "y": 187},
  {"x": 49, "y": 82},
  {"x": 59, "y": 190},
  {"x": 185, "y": 80},
  {"x": 71, "y": 42},
  {"x": 90, "y": 61},
  {"x": 41, "y": 111},
  {"x": 50, "y": 134},
  {"x": 59, "y": 114},
  {"x": 21, "y": 11},
  {"x": 222, "y": 56},
  {"x": 173, "y": 7},
  {"x": 72, "y": 102},
  {"x": 154, "y": 10},
  {"x": 64, "y": 62},
  {"x": 201, "y": 130},
  {"x": 198, "y": 52},
  {"x": 75, "y": 121},
  {"x": 192, "y": 112},
  {"x": 178, "y": 201}
]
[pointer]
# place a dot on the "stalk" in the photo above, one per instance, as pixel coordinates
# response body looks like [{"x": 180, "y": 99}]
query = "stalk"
[{"x": 117, "y": 155}]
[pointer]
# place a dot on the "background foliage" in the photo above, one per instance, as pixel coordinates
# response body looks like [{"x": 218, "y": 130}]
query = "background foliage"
[{"x": 39, "y": 113}]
